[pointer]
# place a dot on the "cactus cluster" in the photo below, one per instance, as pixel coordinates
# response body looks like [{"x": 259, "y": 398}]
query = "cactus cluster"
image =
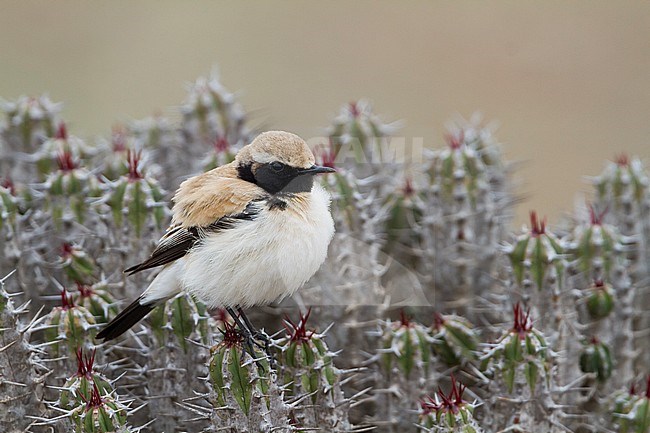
[{"x": 412, "y": 325}]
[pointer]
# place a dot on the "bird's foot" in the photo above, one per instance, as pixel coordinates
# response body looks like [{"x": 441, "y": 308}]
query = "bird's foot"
[{"x": 265, "y": 345}]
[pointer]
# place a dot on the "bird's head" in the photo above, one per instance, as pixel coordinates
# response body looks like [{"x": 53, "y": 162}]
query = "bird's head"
[{"x": 279, "y": 161}]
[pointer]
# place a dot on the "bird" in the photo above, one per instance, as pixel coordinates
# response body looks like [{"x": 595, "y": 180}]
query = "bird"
[{"x": 244, "y": 234}]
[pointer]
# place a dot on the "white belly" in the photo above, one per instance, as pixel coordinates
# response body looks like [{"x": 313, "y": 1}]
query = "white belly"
[{"x": 260, "y": 261}]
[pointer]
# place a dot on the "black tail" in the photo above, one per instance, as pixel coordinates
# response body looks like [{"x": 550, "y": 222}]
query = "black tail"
[{"x": 126, "y": 319}]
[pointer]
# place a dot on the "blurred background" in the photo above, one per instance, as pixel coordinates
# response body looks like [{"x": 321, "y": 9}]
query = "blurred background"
[{"x": 568, "y": 83}]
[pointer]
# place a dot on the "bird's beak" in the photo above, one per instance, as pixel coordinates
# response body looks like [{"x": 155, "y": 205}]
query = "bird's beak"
[{"x": 317, "y": 169}]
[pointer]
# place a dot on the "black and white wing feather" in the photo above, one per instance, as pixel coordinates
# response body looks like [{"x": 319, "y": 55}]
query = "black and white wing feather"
[{"x": 179, "y": 240}]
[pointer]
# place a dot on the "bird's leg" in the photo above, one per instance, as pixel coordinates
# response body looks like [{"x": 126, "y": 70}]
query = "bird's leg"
[
  {"x": 248, "y": 337},
  {"x": 258, "y": 335}
]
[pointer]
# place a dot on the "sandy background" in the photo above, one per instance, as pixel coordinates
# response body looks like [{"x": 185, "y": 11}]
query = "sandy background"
[{"x": 569, "y": 82}]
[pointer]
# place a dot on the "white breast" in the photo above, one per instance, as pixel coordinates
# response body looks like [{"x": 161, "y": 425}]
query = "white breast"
[{"x": 263, "y": 260}]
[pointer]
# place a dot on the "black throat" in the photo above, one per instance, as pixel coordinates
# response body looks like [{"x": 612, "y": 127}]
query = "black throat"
[{"x": 288, "y": 180}]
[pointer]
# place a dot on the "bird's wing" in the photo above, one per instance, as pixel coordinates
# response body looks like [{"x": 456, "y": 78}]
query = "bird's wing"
[
  {"x": 207, "y": 203},
  {"x": 205, "y": 198},
  {"x": 178, "y": 240}
]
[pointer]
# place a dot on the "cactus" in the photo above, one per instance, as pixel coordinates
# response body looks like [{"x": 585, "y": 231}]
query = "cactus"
[
  {"x": 214, "y": 123},
  {"x": 8, "y": 202},
  {"x": 520, "y": 349},
  {"x": 77, "y": 265},
  {"x": 28, "y": 122},
  {"x": 101, "y": 413},
  {"x": 310, "y": 374},
  {"x": 632, "y": 411},
  {"x": 600, "y": 302},
  {"x": 597, "y": 247},
  {"x": 113, "y": 154},
  {"x": 61, "y": 145},
  {"x": 538, "y": 269},
  {"x": 70, "y": 324},
  {"x": 180, "y": 331},
  {"x": 404, "y": 370},
  {"x": 244, "y": 395},
  {"x": 447, "y": 413},
  {"x": 21, "y": 372},
  {"x": 68, "y": 189},
  {"x": 596, "y": 358},
  {"x": 454, "y": 340},
  {"x": 97, "y": 299},
  {"x": 434, "y": 230},
  {"x": 78, "y": 389},
  {"x": 406, "y": 347},
  {"x": 138, "y": 198}
]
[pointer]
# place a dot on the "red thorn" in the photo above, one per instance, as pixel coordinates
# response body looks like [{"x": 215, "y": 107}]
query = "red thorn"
[
  {"x": 354, "y": 109},
  {"x": 451, "y": 402},
  {"x": 405, "y": 320},
  {"x": 408, "y": 190},
  {"x": 537, "y": 226},
  {"x": 298, "y": 331},
  {"x": 221, "y": 145},
  {"x": 594, "y": 340},
  {"x": 522, "y": 323},
  {"x": 633, "y": 389},
  {"x": 67, "y": 249},
  {"x": 596, "y": 219},
  {"x": 455, "y": 140},
  {"x": 438, "y": 320},
  {"x": 85, "y": 366},
  {"x": 95, "y": 399},
  {"x": 61, "y": 132},
  {"x": 84, "y": 290},
  {"x": 221, "y": 315},
  {"x": 231, "y": 335},
  {"x": 133, "y": 159},
  {"x": 66, "y": 301},
  {"x": 118, "y": 138},
  {"x": 328, "y": 156},
  {"x": 9, "y": 185},
  {"x": 65, "y": 161},
  {"x": 622, "y": 160}
]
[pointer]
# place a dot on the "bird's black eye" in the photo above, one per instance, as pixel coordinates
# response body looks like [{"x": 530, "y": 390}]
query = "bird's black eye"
[{"x": 277, "y": 166}]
